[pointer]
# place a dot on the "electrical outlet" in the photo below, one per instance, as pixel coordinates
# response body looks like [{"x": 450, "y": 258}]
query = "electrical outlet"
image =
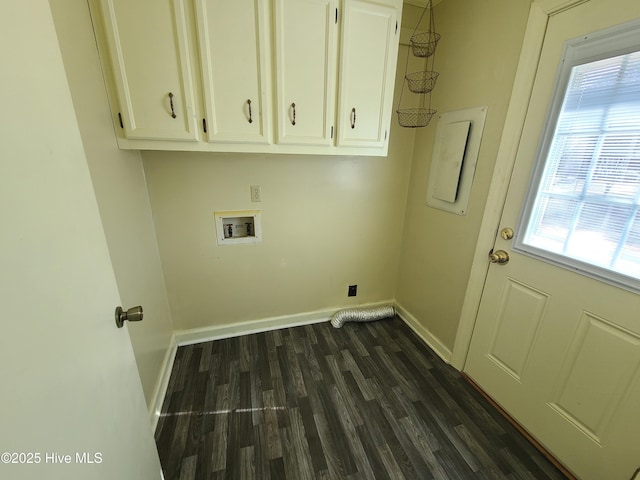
[
  {"x": 256, "y": 194},
  {"x": 353, "y": 291}
]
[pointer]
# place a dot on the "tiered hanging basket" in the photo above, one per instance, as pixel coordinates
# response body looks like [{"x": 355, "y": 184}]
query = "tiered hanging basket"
[
  {"x": 421, "y": 82},
  {"x": 415, "y": 117},
  {"x": 423, "y": 45}
]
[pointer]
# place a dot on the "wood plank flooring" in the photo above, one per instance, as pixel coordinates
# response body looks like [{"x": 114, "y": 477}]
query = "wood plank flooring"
[{"x": 367, "y": 401}]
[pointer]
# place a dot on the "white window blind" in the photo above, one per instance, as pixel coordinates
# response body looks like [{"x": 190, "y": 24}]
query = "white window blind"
[{"x": 587, "y": 203}]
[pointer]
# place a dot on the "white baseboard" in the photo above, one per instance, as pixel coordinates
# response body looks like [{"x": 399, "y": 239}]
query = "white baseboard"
[
  {"x": 217, "y": 332},
  {"x": 429, "y": 338},
  {"x": 163, "y": 383}
]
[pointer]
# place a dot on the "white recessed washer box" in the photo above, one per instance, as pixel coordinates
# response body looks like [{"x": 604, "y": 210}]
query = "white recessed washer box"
[{"x": 238, "y": 226}]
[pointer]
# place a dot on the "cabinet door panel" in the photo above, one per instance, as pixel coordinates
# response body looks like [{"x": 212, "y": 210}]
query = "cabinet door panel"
[
  {"x": 147, "y": 44},
  {"x": 306, "y": 34},
  {"x": 367, "y": 73},
  {"x": 234, "y": 49}
]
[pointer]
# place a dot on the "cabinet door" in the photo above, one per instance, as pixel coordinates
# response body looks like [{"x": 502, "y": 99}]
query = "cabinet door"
[
  {"x": 234, "y": 54},
  {"x": 306, "y": 34},
  {"x": 367, "y": 73},
  {"x": 147, "y": 43}
]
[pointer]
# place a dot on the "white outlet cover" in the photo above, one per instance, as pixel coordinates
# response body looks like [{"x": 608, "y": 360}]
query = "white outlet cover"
[{"x": 256, "y": 193}]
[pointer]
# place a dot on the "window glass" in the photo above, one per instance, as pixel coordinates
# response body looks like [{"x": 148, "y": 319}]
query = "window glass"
[{"x": 586, "y": 204}]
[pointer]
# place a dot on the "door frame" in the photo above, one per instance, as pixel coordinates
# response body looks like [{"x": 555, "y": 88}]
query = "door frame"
[{"x": 539, "y": 14}]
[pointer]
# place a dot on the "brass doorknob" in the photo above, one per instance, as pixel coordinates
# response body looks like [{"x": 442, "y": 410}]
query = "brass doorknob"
[
  {"x": 499, "y": 256},
  {"x": 507, "y": 233}
]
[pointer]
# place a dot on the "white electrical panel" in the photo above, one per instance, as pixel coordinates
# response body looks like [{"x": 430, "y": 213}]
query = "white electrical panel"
[
  {"x": 451, "y": 156},
  {"x": 454, "y": 157}
]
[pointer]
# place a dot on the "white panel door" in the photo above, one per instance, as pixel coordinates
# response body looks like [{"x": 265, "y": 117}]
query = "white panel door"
[
  {"x": 234, "y": 51},
  {"x": 560, "y": 351},
  {"x": 369, "y": 54},
  {"x": 72, "y": 403},
  {"x": 306, "y": 58},
  {"x": 148, "y": 52}
]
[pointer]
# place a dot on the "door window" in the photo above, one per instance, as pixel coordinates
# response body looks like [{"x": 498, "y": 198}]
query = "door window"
[{"x": 583, "y": 209}]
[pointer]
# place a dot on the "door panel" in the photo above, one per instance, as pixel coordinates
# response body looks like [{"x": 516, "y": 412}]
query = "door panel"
[
  {"x": 155, "y": 91},
  {"x": 70, "y": 387},
  {"x": 306, "y": 50},
  {"x": 602, "y": 354},
  {"x": 234, "y": 34},
  {"x": 560, "y": 351},
  {"x": 520, "y": 314},
  {"x": 366, "y": 75}
]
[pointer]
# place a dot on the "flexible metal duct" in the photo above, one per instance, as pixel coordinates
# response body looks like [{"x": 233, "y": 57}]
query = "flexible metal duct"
[{"x": 361, "y": 315}]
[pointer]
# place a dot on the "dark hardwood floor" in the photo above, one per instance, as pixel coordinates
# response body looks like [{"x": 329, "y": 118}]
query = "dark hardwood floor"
[{"x": 367, "y": 401}]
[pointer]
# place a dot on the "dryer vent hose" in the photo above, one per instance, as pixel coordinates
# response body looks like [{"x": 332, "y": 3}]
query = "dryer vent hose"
[{"x": 361, "y": 315}]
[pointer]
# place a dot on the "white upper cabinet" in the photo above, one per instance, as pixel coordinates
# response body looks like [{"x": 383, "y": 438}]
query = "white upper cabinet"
[
  {"x": 234, "y": 55},
  {"x": 147, "y": 47},
  {"x": 273, "y": 76},
  {"x": 367, "y": 74},
  {"x": 306, "y": 33}
]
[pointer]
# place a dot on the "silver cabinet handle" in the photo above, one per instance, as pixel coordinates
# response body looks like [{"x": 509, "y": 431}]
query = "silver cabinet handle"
[
  {"x": 250, "y": 114},
  {"x": 293, "y": 120},
  {"x": 173, "y": 113},
  {"x": 353, "y": 117}
]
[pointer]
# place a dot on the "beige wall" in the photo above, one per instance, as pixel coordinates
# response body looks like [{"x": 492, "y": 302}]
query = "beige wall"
[
  {"x": 477, "y": 59},
  {"x": 118, "y": 180},
  {"x": 327, "y": 222}
]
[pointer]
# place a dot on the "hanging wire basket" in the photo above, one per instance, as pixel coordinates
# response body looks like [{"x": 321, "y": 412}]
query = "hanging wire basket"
[
  {"x": 421, "y": 82},
  {"x": 424, "y": 44},
  {"x": 415, "y": 117}
]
